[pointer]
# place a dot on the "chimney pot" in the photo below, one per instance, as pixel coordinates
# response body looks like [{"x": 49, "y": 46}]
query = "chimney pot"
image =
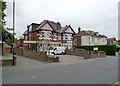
[{"x": 79, "y": 29}]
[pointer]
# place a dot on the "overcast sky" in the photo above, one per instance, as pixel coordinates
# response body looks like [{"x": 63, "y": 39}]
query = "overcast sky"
[{"x": 97, "y": 15}]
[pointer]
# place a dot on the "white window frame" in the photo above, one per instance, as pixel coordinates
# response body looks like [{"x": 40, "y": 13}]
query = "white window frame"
[
  {"x": 68, "y": 36},
  {"x": 59, "y": 36},
  {"x": 30, "y": 28},
  {"x": 45, "y": 46},
  {"x": 54, "y": 36},
  {"x": 40, "y": 34},
  {"x": 64, "y": 38},
  {"x": 41, "y": 47},
  {"x": 26, "y": 37}
]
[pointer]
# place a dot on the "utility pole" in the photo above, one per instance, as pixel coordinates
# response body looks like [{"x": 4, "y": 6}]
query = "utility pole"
[{"x": 13, "y": 30}]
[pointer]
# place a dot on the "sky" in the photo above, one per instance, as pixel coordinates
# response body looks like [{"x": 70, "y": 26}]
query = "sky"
[{"x": 97, "y": 15}]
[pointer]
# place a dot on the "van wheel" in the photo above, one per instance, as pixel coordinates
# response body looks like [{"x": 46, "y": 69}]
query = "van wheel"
[{"x": 62, "y": 53}]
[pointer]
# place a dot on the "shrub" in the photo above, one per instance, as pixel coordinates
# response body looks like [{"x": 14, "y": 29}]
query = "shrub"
[
  {"x": 118, "y": 48},
  {"x": 109, "y": 49},
  {"x": 100, "y": 51}
]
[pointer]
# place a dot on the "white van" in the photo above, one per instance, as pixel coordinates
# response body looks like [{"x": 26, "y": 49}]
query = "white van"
[{"x": 57, "y": 50}]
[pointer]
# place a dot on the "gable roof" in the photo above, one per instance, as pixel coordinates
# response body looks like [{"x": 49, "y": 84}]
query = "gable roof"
[
  {"x": 56, "y": 27},
  {"x": 65, "y": 28}
]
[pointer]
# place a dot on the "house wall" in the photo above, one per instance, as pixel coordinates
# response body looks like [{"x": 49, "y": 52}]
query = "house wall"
[
  {"x": 89, "y": 40},
  {"x": 40, "y": 36}
]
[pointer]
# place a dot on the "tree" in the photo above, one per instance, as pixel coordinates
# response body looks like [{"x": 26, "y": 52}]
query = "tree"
[{"x": 5, "y": 35}]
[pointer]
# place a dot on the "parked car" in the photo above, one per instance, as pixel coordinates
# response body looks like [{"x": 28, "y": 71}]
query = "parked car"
[
  {"x": 57, "y": 50},
  {"x": 78, "y": 49}
]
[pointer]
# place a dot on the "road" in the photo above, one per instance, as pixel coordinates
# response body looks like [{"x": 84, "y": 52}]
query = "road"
[{"x": 74, "y": 71}]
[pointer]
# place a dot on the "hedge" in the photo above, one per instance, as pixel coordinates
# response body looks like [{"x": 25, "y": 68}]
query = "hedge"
[{"x": 109, "y": 49}]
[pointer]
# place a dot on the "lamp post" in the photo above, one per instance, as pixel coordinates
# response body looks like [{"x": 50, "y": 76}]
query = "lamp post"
[{"x": 13, "y": 31}]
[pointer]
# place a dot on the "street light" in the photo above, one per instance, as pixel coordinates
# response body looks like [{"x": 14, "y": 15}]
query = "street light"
[{"x": 13, "y": 29}]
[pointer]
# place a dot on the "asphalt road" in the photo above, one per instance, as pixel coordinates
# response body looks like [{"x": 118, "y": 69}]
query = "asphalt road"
[{"x": 92, "y": 71}]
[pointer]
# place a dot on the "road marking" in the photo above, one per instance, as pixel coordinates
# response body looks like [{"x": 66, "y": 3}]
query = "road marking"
[{"x": 34, "y": 77}]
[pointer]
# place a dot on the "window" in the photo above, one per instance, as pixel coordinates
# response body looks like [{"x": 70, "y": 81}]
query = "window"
[
  {"x": 63, "y": 36},
  {"x": 45, "y": 46},
  {"x": 93, "y": 39},
  {"x": 29, "y": 45},
  {"x": 48, "y": 34},
  {"x": 30, "y": 28},
  {"x": 40, "y": 33},
  {"x": 54, "y": 36},
  {"x": 69, "y": 37},
  {"x": 59, "y": 36},
  {"x": 41, "y": 47},
  {"x": 26, "y": 37},
  {"x": 114, "y": 42},
  {"x": 45, "y": 34}
]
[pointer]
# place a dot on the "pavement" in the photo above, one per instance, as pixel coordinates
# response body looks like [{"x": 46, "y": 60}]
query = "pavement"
[
  {"x": 70, "y": 70},
  {"x": 27, "y": 63}
]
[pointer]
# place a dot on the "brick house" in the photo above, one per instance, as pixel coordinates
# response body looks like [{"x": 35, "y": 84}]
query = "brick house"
[
  {"x": 88, "y": 37},
  {"x": 47, "y": 34},
  {"x": 112, "y": 41}
]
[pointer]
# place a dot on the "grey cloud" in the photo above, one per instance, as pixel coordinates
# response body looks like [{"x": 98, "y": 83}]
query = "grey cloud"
[{"x": 98, "y": 15}]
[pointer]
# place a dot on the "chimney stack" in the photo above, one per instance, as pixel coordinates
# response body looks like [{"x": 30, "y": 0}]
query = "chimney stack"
[
  {"x": 58, "y": 23},
  {"x": 79, "y": 29}
]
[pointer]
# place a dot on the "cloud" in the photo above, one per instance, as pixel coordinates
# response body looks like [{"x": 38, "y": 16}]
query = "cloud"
[{"x": 97, "y": 15}]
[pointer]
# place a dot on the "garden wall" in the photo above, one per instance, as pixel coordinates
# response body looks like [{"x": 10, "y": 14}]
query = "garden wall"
[
  {"x": 85, "y": 54},
  {"x": 40, "y": 56}
]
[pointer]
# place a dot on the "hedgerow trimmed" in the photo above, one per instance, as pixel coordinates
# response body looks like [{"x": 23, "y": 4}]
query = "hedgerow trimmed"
[{"x": 109, "y": 49}]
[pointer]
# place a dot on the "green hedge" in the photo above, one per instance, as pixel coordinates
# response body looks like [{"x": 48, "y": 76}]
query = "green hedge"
[
  {"x": 118, "y": 48},
  {"x": 109, "y": 49}
]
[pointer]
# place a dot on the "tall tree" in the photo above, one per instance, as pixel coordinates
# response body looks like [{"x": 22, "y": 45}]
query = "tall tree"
[{"x": 5, "y": 35}]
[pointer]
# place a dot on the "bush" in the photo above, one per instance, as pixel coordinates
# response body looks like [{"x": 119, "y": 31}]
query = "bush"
[
  {"x": 118, "y": 48},
  {"x": 109, "y": 49},
  {"x": 100, "y": 51},
  {"x": 94, "y": 52}
]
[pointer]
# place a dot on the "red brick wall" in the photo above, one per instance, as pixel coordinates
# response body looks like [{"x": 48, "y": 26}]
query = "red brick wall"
[
  {"x": 78, "y": 40},
  {"x": 40, "y": 56},
  {"x": 95, "y": 55},
  {"x": 6, "y": 50},
  {"x": 77, "y": 53},
  {"x": 85, "y": 54}
]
